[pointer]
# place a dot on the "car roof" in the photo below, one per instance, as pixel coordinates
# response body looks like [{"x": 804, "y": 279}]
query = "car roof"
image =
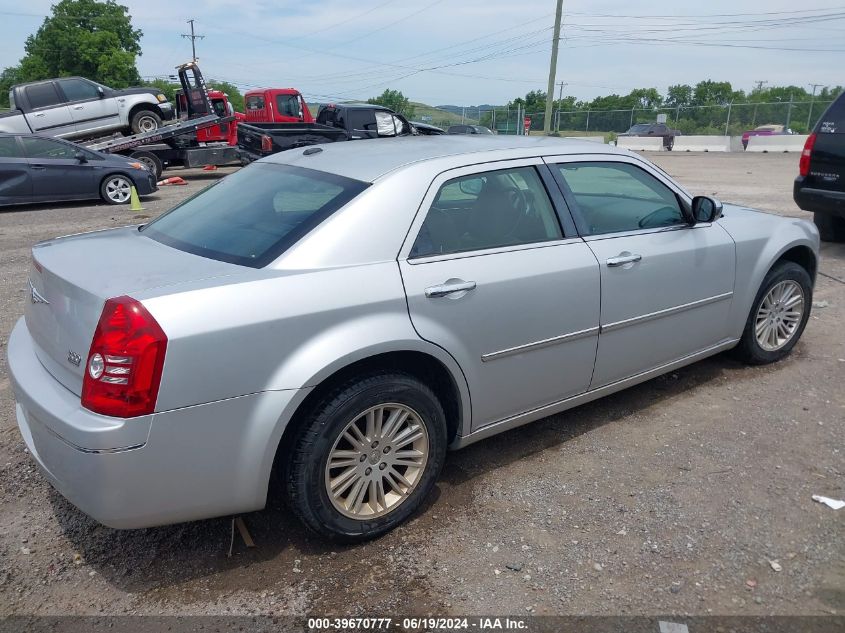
[{"x": 369, "y": 160}]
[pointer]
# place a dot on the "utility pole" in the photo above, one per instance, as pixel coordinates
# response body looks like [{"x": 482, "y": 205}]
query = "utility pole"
[
  {"x": 193, "y": 37},
  {"x": 788, "y": 112},
  {"x": 760, "y": 83},
  {"x": 812, "y": 100},
  {"x": 547, "y": 120},
  {"x": 559, "y": 99}
]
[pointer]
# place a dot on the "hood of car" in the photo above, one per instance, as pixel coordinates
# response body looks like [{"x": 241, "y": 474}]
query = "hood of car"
[{"x": 137, "y": 91}]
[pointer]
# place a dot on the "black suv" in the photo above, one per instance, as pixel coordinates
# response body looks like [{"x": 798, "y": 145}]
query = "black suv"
[{"x": 820, "y": 186}]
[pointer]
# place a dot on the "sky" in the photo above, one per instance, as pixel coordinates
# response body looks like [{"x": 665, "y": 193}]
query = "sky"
[{"x": 471, "y": 52}]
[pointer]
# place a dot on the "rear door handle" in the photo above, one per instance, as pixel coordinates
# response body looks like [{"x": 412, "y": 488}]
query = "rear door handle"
[
  {"x": 79, "y": 107},
  {"x": 449, "y": 288},
  {"x": 39, "y": 166},
  {"x": 622, "y": 259}
]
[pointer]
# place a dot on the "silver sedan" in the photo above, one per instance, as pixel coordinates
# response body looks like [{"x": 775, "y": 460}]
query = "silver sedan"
[{"x": 338, "y": 316}]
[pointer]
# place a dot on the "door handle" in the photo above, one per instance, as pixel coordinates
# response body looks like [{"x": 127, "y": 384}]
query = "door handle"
[
  {"x": 622, "y": 259},
  {"x": 79, "y": 107},
  {"x": 40, "y": 114},
  {"x": 449, "y": 288},
  {"x": 39, "y": 166}
]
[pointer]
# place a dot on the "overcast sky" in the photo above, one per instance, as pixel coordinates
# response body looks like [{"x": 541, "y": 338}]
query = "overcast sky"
[{"x": 468, "y": 52}]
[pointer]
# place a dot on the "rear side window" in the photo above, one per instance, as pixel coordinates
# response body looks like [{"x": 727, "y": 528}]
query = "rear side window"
[
  {"x": 9, "y": 147},
  {"x": 42, "y": 95},
  {"x": 252, "y": 216},
  {"x": 833, "y": 120},
  {"x": 43, "y": 148}
]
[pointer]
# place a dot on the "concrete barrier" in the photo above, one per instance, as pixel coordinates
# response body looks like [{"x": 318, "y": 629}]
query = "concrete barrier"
[
  {"x": 594, "y": 139},
  {"x": 736, "y": 144},
  {"x": 640, "y": 143},
  {"x": 702, "y": 143},
  {"x": 777, "y": 143}
]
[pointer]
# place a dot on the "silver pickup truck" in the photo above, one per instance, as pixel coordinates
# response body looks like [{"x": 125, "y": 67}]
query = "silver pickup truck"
[{"x": 75, "y": 107}]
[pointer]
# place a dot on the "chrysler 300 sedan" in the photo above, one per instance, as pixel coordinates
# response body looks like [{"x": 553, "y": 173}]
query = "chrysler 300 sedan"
[{"x": 337, "y": 316}]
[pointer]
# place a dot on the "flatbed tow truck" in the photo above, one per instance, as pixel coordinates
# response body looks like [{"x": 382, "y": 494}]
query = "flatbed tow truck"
[{"x": 168, "y": 144}]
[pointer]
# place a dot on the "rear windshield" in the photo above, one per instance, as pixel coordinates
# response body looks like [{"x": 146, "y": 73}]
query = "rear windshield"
[
  {"x": 252, "y": 216},
  {"x": 833, "y": 120}
]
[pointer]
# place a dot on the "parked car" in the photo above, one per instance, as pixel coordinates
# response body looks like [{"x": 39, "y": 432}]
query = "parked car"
[
  {"x": 342, "y": 122},
  {"x": 340, "y": 315},
  {"x": 820, "y": 185},
  {"x": 75, "y": 107},
  {"x": 468, "y": 129},
  {"x": 762, "y": 130},
  {"x": 42, "y": 169},
  {"x": 426, "y": 129},
  {"x": 276, "y": 105},
  {"x": 652, "y": 130}
]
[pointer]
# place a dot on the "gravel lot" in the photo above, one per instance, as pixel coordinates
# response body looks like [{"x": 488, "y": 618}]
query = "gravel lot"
[{"x": 670, "y": 497}]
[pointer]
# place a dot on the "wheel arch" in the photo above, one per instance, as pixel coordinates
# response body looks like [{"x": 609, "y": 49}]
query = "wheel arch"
[
  {"x": 143, "y": 105},
  {"x": 427, "y": 365},
  {"x": 802, "y": 255}
]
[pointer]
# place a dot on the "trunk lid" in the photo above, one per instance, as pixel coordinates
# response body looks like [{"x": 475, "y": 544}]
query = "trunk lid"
[{"x": 70, "y": 279}]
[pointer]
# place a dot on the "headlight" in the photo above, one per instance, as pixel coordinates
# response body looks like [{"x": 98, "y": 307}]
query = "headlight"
[
  {"x": 161, "y": 98},
  {"x": 137, "y": 165}
]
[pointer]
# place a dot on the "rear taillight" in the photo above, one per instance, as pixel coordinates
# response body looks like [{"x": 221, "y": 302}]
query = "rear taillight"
[
  {"x": 806, "y": 154},
  {"x": 123, "y": 371},
  {"x": 266, "y": 143}
]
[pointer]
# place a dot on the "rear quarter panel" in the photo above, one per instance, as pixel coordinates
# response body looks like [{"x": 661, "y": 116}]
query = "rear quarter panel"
[{"x": 761, "y": 239}]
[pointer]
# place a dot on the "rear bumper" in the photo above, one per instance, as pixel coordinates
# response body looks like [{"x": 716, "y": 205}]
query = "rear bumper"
[
  {"x": 192, "y": 463},
  {"x": 818, "y": 200}
]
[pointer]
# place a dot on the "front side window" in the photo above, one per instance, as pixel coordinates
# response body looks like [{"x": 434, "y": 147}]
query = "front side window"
[
  {"x": 287, "y": 105},
  {"x": 42, "y": 148},
  {"x": 614, "y": 197},
  {"x": 42, "y": 95},
  {"x": 488, "y": 210},
  {"x": 79, "y": 89},
  {"x": 252, "y": 216},
  {"x": 361, "y": 121}
]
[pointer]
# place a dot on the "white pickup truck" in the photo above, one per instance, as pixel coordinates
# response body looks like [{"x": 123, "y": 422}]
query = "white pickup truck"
[{"x": 75, "y": 107}]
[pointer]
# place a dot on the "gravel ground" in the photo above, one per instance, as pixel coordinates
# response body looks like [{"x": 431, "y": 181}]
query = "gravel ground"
[{"x": 674, "y": 496}]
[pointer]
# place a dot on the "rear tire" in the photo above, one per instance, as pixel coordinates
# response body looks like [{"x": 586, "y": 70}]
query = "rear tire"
[
  {"x": 150, "y": 160},
  {"x": 784, "y": 319},
  {"x": 116, "y": 189},
  {"x": 145, "y": 121},
  {"x": 325, "y": 497},
  {"x": 831, "y": 227}
]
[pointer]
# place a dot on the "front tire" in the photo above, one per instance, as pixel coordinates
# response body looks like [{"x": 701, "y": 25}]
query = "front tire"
[
  {"x": 778, "y": 316},
  {"x": 145, "y": 121},
  {"x": 366, "y": 457},
  {"x": 116, "y": 189}
]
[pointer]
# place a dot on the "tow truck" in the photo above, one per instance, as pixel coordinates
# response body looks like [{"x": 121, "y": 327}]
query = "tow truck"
[{"x": 179, "y": 143}]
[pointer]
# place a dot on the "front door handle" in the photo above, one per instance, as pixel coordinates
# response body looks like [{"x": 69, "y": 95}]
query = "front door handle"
[
  {"x": 79, "y": 107},
  {"x": 449, "y": 288},
  {"x": 39, "y": 166},
  {"x": 623, "y": 258}
]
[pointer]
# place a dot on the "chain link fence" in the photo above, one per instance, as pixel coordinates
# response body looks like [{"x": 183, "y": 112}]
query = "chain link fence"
[{"x": 729, "y": 120}]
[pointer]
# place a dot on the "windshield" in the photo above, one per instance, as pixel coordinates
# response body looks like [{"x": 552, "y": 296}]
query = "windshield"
[
  {"x": 252, "y": 216},
  {"x": 640, "y": 127}
]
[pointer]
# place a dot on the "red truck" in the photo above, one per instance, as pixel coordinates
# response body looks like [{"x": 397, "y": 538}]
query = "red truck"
[{"x": 276, "y": 105}]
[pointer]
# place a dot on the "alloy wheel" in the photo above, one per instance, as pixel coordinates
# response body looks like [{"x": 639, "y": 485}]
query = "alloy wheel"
[
  {"x": 377, "y": 461},
  {"x": 118, "y": 189},
  {"x": 779, "y": 315}
]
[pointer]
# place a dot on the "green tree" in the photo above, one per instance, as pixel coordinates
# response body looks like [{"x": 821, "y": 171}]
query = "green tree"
[
  {"x": 679, "y": 95},
  {"x": 85, "y": 38},
  {"x": 233, "y": 94},
  {"x": 8, "y": 78},
  {"x": 167, "y": 88},
  {"x": 396, "y": 101}
]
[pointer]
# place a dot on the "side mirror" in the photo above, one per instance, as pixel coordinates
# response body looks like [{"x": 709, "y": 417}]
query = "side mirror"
[
  {"x": 705, "y": 209},
  {"x": 81, "y": 157},
  {"x": 101, "y": 92}
]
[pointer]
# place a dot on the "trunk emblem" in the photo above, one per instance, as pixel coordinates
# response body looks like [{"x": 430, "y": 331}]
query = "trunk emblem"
[
  {"x": 35, "y": 296},
  {"x": 73, "y": 358}
]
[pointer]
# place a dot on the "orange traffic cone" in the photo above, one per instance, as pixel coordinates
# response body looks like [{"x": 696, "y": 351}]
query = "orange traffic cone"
[{"x": 175, "y": 180}]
